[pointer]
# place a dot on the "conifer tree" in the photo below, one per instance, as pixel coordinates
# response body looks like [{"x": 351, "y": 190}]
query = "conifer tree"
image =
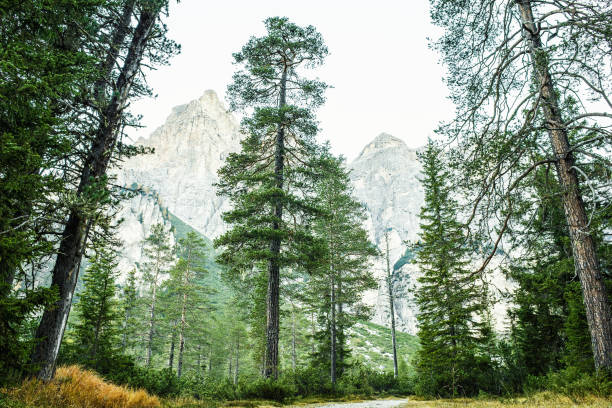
[
  {"x": 129, "y": 310},
  {"x": 43, "y": 68},
  {"x": 97, "y": 309},
  {"x": 159, "y": 255},
  {"x": 187, "y": 287},
  {"x": 448, "y": 298},
  {"x": 269, "y": 182},
  {"x": 336, "y": 286},
  {"x": 119, "y": 69},
  {"x": 549, "y": 327},
  {"x": 515, "y": 69}
]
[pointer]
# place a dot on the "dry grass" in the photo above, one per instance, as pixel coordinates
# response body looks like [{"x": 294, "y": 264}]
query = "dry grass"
[
  {"x": 77, "y": 388},
  {"x": 541, "y": 400}
]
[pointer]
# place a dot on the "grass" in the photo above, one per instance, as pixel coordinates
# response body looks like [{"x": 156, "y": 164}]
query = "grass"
[
  {"x": 73, "y": 387},
  {"x": 540, "y": 400}
]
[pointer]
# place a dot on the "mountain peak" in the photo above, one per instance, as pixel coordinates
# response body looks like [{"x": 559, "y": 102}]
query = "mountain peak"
[
  {"x": 381, "y": 142},
  {"x": 385, "y": 139}
]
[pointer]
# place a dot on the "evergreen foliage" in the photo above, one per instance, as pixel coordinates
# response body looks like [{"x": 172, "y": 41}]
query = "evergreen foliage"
[
  {"x": 96, "y": 334},
  {"x": 450, "y": 307},
  {"x": 130, "y": 306},
  {"x": 526, "y": 77},
  {"x": 270, "y": 182},
  {"x": 159, "y": 256},
  {"x": 335, "y": 288}
]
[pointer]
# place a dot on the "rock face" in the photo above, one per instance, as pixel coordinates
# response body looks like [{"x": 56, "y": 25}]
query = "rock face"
[
  {"x": 385, "y": 177},
  {"x": 179, "y": 176},
  {"x": 189, "y": 149}
]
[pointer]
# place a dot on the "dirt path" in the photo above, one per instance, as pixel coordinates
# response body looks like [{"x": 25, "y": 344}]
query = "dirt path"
[{"x": 387, "y": 403}]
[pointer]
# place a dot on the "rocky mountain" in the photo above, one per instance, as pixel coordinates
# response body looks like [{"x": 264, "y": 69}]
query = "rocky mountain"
[
  {"x": 177, "y": 190},
  {"x": 177, "y": 179},
  {"x": 385, "y": 178}
]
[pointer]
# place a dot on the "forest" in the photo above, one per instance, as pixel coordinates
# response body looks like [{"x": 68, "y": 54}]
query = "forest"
[{"x": 273, "y": 310}]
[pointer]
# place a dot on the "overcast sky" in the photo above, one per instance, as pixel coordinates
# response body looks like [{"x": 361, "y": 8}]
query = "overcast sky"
[{"x": 384, "y": 76}]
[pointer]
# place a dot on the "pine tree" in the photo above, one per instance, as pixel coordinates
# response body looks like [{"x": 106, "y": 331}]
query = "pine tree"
[
  {"x": 129, "y": 310},
  {"x": 119, "y": 69},
  {"x": 269, "y": 182},
  {"x": 343, "y": 273},
  {"x": 448, "y": 298},
  {"x": 43, "y": 68},
  {"x": 159, "y": 255},
  {"x": 514, "y": 68},
  {"x": 97, "y": 309},
  {"x": 549, "y": 323},
  {"x": 187, "y": 287}
]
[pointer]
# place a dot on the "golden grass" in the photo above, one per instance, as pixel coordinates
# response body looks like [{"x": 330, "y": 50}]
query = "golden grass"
[
  {"x": 541, "y": 400},
  {"x": 74, "y": 387}
]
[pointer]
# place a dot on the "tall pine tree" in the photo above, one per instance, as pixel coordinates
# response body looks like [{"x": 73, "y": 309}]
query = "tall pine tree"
[
  {"x": 270, "y": 181},
  {"x": 159, "y": 256}
]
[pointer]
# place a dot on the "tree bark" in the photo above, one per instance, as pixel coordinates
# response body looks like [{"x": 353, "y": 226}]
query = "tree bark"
[
  {"x": 586, "y": 262},
  {"x": 332, "y": 324},
  {"x": 73, "y": 241},
  {"x": 293, "y": 350},
  {"x": 391, "y": 306},
  {"x": 182, "y": 337},
  {"x": 237, "y": 365},
  {"x": 171, "y": 357},
  {"x": 272, "y": 298},
  {"x": 152, "y": 316},
  {"x": 339, "y": 313}
]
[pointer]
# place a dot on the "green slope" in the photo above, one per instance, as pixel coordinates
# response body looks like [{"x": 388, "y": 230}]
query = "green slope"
[{"x": 372, "y": 344}]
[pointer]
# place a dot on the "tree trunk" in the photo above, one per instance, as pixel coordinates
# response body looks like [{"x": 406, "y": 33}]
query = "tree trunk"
[
  {"x": 171, "y": 357},
  {"x": 152, "y": 318},
  {"x": 210, "y": 362},
  {"x": 586, "y": 262},
  {"x": 391, "y": 306},
  {"x": 340, "y": 311},
  {"x": 73, "y": 241},
  {"x": 272, "y": 300},
  {"x": 332, "y": 324},
  {"x": 182, "y": 337},
  {"x": 293, "y": 351},
  {"x": 313, "y": 331},
  {"x": 237, "y": 365},
  {"x": 199, "y": 360}
]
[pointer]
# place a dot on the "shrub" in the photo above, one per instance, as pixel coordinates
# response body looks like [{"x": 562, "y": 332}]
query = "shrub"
[
  {"x": 268, "y": 389},
  {"x": 575, "y": 383},
  {"x": 78, "y": 388}
]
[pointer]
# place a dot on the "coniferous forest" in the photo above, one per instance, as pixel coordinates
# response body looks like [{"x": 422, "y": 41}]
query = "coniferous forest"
[{"x": 276, "y": 308}]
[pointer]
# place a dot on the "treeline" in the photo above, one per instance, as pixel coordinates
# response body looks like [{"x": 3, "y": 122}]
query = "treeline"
[
  {"x": 293, "y": 211},
  {"x": 69, "y": 71},
  {"x": 519, "y": 183},
  {"x": 524, "y": 169}
]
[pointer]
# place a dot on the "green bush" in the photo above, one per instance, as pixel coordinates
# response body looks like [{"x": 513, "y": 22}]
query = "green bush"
[
  {"x": 573, "y": 382},
  {"x": 267, "y": 389}
]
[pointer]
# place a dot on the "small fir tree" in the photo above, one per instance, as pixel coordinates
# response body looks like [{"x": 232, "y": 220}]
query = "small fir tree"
[
  {"x": 97, "y": 309},
  {"x": 448, "y": 297},
  {"x": 336, "y": 285}
]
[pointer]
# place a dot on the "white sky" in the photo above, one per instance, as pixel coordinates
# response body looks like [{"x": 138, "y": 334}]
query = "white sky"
[{"x": 384, "y": 76}]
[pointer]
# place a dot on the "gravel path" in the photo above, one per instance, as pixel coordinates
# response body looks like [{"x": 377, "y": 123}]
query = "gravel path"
[{"x": 390, "y": 403}]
